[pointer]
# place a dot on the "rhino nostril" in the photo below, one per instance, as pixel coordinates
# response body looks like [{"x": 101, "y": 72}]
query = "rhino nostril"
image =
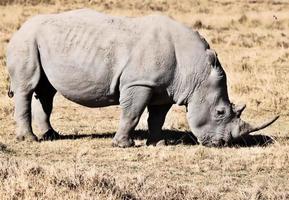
[
  {"x": 214, "y": 143},
  {"x": 206, "y": 143},
  {"x": 217, "y": 143},
  {"x": 222, "y": 142}
]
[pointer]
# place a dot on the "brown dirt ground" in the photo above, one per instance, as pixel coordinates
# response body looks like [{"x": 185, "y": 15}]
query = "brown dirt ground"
[{"x": 252, "y": 41}]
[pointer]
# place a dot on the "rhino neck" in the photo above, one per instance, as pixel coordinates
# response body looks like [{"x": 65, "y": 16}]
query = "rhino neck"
[
  {"x": 188, "y": 80},
  {"x": 191, "y": 66}
]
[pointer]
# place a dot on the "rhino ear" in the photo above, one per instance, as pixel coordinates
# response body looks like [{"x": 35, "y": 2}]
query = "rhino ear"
[
  {"x": 217, "y": 72},
  {"x": 212, "y": 57},
  {"x": 239, "y": 109}
]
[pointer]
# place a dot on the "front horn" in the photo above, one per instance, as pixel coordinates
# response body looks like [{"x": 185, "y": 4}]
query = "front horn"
[{"x": 246, "y": 128}]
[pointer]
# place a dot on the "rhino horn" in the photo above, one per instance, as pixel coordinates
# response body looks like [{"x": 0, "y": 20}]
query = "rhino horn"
[{"x": 246, "y": 128}]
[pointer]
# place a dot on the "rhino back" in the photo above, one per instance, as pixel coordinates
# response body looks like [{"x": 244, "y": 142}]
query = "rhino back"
[
  {"x": 81, "y": 53},
  {"x": 87, "y": 54}
]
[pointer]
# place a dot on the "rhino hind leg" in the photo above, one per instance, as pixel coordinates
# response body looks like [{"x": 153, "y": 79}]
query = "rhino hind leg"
[
  {"x": 22, "y": 116},
  {"x": 24, "y": 70},
  {"x": 42, "y": 104},
  {"x": 156, "y": 119},
  {"x": 133, "y": 102}
]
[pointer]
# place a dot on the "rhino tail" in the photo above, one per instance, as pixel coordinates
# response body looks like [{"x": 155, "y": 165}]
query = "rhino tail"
[{"x": 10, "y": 92}]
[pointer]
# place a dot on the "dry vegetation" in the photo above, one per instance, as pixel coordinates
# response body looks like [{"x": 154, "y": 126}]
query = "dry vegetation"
[{"x": 252, "y": 41}]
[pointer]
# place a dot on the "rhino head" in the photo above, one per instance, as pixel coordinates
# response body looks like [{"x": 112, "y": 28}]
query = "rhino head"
[{"x": 213, "y": 119}]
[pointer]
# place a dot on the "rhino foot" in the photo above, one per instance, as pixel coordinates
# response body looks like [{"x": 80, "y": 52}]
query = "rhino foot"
[
  {"x": 50, "y": 135},
  {"x": 123, "y": 143},
  {"x": 30, "y": 137},
  {"x": 154, "y": 142}
]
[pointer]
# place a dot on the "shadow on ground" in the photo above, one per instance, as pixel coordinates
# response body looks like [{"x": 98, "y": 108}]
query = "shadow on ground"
[{"x": 173, "y": 137}]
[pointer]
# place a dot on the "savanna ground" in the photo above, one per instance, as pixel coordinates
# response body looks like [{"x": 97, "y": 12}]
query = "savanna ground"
[{"x": 252, "y": 41}]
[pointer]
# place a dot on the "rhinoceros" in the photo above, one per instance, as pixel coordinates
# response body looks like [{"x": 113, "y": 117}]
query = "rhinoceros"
[{"x": 99, "y": 60}]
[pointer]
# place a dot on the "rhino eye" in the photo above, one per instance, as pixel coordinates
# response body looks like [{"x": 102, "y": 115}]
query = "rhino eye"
[{"x": 220, "y": 113}]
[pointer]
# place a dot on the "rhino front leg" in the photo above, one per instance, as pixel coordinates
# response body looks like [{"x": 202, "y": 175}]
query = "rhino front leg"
[
  {"x": 133, "y": 101},
  {"x": 22, "y": 116},
  {"x": 156, "y": 119},
  {"x": 42, "y": 103}
]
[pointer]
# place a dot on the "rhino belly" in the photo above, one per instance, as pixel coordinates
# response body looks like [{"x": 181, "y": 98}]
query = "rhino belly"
[{"x": 86, "y": 87}]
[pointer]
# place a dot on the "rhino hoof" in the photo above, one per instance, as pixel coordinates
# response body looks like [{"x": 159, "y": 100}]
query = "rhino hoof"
[
  {"x": 161, "y": 143},
  {"x": 123, "y": 143},
  {"x": 27, "y": 137},
  {"x": 50, "y": 135},
  {"x": 156, "y": 142}
]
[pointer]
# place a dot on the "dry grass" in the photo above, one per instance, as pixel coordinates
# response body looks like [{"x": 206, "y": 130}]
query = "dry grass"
[{"x": 252, "y": 41}]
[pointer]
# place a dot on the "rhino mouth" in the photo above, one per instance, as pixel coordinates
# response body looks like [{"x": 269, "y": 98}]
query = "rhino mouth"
[
  {"x": 217, "y": 143},
  {"x": 210, "y": 141}
]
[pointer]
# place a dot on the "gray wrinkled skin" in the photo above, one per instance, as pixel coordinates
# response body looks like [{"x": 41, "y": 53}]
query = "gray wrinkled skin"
[{"x": 98, "y": 60}]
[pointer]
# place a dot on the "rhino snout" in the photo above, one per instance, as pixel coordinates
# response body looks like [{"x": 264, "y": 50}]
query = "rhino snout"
[
  {"x": 215, "y": 143},
  {"x": 216, "y": 140}
]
